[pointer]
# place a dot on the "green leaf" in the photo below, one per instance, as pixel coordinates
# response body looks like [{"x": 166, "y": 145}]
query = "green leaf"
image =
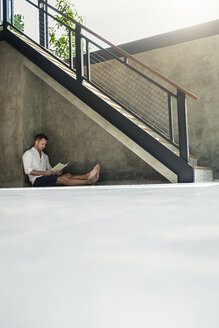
[{"x": 59, "y": 34}]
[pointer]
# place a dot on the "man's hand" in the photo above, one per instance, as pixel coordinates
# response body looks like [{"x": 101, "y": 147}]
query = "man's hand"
[
  {"x": 48, "y": 172},
  {"x": 58, "y": 173}
]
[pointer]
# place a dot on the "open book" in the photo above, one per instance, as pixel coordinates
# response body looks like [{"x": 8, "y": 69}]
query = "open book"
[{"x": 59, "y": 167}]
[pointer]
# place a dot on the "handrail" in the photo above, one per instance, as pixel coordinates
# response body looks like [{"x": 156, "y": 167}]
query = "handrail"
[{"x": 126, "y": 54}]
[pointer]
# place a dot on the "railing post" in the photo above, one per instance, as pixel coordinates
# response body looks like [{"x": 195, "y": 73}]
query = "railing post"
[
  {"x": 88, "y": 60},
  {"x": 70, "y": 49},
  {"x": 182, "y": 126},
  {"x": 46, "y": 25},
  {"x": 43, "y": 25},
  {"x": 170, "y": 111},
  {"x": 79, "y": 55},
  {"x": 5, "y": 13},
  {"x": 126, "y": 60},
  {"x": 12, "y": 12}
]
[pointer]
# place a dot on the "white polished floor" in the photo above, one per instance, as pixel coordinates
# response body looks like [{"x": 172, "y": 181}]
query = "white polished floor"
[{"x": 110, "y": 257}]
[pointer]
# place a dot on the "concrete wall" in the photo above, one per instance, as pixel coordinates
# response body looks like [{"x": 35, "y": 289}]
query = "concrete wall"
[
  {"x": 30, "y": 105},
  {"x": 194, "y": 65},
  {"x": 11, "y": 93}
]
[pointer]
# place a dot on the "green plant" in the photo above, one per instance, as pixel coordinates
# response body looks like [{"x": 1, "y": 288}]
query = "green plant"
[
  {"x": 59, "y": 34},
  {"x": 18, "y": 22}
]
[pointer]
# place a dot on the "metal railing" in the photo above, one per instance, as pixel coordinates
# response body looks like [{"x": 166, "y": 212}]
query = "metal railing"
[
  {"x": 1, "y": 15},
  {"x": 147, "y": 94}
]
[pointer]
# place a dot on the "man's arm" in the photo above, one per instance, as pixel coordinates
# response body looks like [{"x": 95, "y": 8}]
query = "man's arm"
[
  {"x": 36, "y": 173},
  {"x": 28, "y": 169}
]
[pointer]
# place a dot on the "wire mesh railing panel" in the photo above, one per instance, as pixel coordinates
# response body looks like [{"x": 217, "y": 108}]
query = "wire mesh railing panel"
[
  {"x": 130, "y": 89},
  {"x": 150, "y": 74}
]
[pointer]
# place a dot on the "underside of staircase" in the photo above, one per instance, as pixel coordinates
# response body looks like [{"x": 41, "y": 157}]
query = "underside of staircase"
[{"x": 139, "y": 137}]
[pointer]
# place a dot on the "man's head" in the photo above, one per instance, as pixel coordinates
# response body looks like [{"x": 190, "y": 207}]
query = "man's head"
[{"x": 40, "y": 141}]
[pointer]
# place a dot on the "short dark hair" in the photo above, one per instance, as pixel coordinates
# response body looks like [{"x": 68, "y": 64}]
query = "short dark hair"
[{"x": 40, "y": 136}]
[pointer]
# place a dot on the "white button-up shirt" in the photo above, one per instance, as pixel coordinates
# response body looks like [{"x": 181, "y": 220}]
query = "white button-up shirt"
[{"x": 33, "y": 161}]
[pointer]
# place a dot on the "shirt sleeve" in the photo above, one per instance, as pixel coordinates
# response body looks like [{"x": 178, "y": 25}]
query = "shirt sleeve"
[{"x": 27, "y": 162}]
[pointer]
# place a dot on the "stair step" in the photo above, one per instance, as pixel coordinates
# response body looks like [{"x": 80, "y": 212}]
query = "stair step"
[
  {"x": 203, "y": 168},
  {"x": 203, "y": 173},
  {"x": 115, "y": 105},
  {"x": 101, "y": 95},
  {"x": 190, "y": 155},
  {"x": 193, "y": 160},
  {"x": 167, "y": 144},
  {"x": 129, "y": 116},
  {"x": 162, "y": 140},
  {"x": 145, "y": 127},
  {"x": 166, "y": 141}
]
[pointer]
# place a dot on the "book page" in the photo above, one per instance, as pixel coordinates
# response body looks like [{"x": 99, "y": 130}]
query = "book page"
[{"x": 59, "y": 167}]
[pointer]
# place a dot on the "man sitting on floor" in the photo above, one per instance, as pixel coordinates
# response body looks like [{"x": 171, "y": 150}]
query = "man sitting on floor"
[{"x": 37, "y": 167}]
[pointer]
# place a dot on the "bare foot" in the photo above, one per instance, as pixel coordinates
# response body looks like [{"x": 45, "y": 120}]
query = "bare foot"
[
  {"x": 98, "y": 174},
  {"x": 94, "y": 174}
]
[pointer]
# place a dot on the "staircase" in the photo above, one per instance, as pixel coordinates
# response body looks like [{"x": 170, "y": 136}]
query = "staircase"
[{"x": 143, "y": 112}]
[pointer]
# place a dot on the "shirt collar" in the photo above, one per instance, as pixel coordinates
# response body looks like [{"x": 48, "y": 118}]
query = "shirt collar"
[{"x": 42, "y": 153}]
